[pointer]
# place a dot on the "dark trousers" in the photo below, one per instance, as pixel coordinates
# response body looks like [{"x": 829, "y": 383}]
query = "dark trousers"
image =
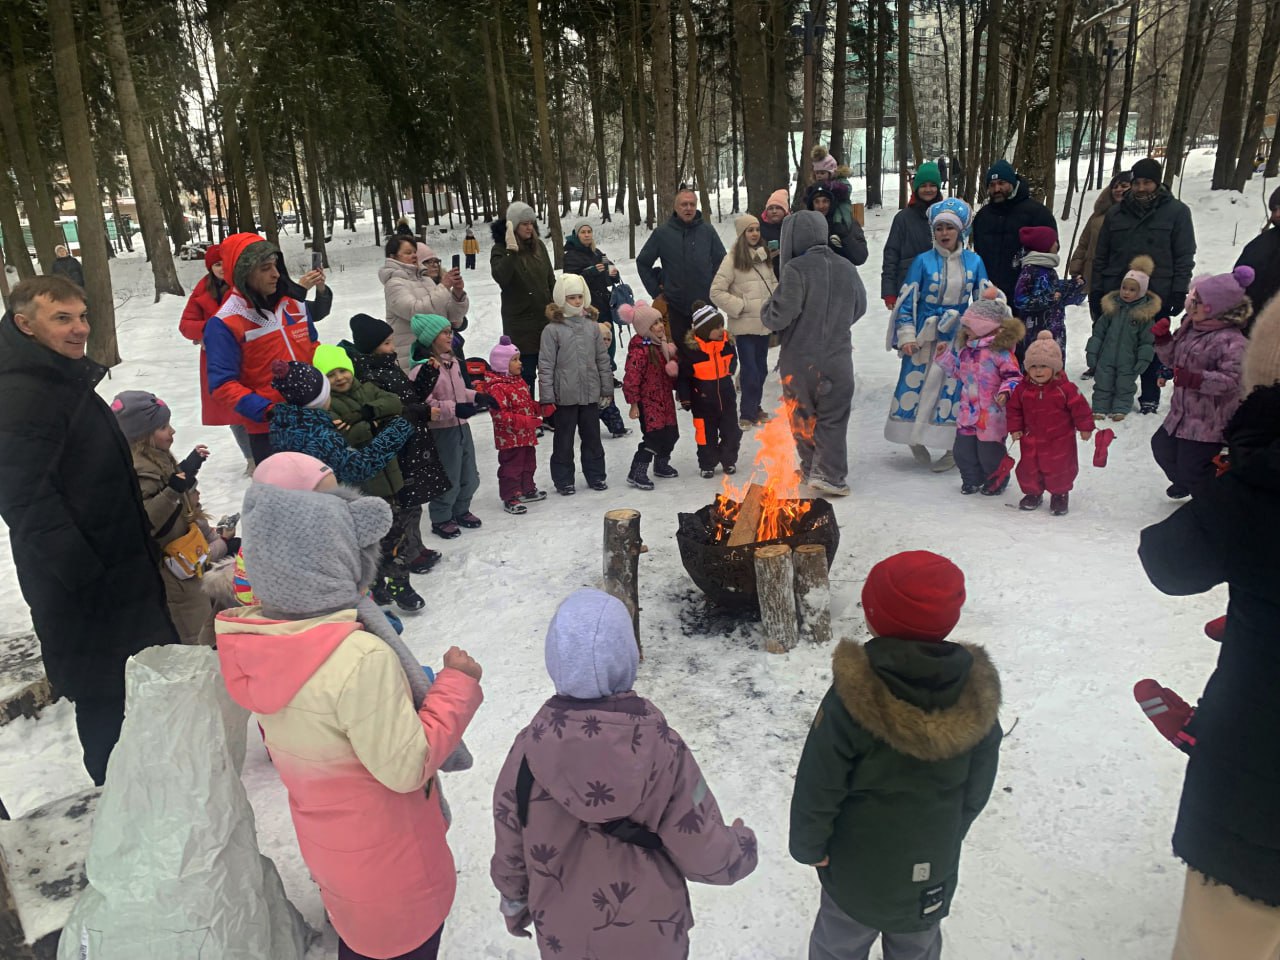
[
  {"x": 583, "y": 418},
  {"x": 515, "y": 472},
  {"x": 611, "y": 417},
  {"x": 1187, "y": 463},
  {"x": 428, "y": 951},
  {"x": 716, "y": 431},
  {"x": 680, "y": 324},
  {"x": 658, "y": 443},
  {"x": 393, "y": 562},
  {"x": 1150, "y": 392},
  {"x": 260, "y": 446},
  {"x": 977, "y": 459},
  {"x": 471, "y": 261},
  {"x": 753, "y": 367},
  {"x": 529, "y": 371},
  {"x": 98, "y": 722}
]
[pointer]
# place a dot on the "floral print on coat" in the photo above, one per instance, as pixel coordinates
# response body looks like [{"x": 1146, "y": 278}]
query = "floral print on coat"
[{"x": 985, "y": 373}]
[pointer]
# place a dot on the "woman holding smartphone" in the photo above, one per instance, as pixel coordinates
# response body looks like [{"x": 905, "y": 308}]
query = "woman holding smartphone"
[
  {"x": 742, "y": 285},
  {"x": 413, "y": 282}
]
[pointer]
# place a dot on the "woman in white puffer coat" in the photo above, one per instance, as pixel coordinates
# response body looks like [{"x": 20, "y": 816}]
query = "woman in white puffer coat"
[
  {"x": 742, "y": 285},
  {"x": 410, "y": 290}
]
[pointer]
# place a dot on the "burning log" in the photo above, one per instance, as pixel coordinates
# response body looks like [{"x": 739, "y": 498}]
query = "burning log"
[
  {"x": 813, "y": 593},
  {"x": 775, "y": 584},
  {"x": 747, "y": 517},
  {"x": 622, "y": 549}
]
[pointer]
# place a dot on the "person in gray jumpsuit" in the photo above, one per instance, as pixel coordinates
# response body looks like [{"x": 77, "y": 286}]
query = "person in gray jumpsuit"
[{"x": 818, "y": 300}]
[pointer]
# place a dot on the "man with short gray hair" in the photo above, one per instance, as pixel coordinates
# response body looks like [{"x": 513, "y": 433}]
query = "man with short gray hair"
[{"x": 690, "y": 251}]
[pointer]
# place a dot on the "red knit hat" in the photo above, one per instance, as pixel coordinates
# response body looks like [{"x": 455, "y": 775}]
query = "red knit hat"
[
  {"x": 916, "y": 595},
  {"x": 1039, "y": 239}
]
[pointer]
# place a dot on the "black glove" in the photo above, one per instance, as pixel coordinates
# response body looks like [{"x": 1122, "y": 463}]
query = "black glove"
[
  {"x": 464, "y": 411},
  {"x": 233, "y": 546},
  {"x": 487, "y": 401},
  {"x": 417, "y": 413},
  {"x": 182, "y": 484},
  {"x": 1177, "y": 303},
  {"x": 1095, "y": 303},
  {"x": 191, "y": 466},
  {"x": 368, "y": 413}
]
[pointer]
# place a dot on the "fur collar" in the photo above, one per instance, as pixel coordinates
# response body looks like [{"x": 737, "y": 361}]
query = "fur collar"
[
  {"x": 925, "y": 735},
  {"x": 1010, "y": 334},
  {"x": 1140, "y": 311},
  {"x": 555, "y": 313}
]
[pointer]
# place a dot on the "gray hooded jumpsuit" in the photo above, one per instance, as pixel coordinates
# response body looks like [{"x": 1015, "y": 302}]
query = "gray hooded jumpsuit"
[{"x": 818, "y": 300}]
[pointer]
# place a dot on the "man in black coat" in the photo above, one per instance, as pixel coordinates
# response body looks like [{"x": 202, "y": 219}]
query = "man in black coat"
[
  {"x": 1149, "y": 220},
  {"x": 1008, "y": 209},
  {"x": 1263, "y": 254},
  {"x": 690, "y": 252},
  {"x": 82, "y": 548},
  {"x": 68, "y": 266}
]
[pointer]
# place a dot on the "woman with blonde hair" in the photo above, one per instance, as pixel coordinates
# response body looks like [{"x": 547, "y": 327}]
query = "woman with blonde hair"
[{"x": 740, "y": 289}]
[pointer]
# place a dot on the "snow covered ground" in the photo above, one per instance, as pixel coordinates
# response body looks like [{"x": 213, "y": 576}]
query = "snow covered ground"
[{"x": 1071, "y": 858}]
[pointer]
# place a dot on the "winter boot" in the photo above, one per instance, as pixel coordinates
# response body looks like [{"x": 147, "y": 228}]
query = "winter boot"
[
  {"x": 424, "y": 561},
  {"x": 823, "y": 485},
  {"x": 1168, "y": 711},
  {"x": 532, "y": 496},
  {"x": 1031, "y": 501},
  {"x": 639, "y": 475},
  {"x": 406, "y": 598},
  {"x": 706, "y": 474},
  {"x": 1148, "y": 406},
  {"x": 1176, "y": 491},
  {"x": 1059, "y": 503},
  {"x": 921, "y": 453},
  {"x": 469, "y": 520},
  {"x": 598, "y": 485},
  {"x": 380, "y": 594},
  {"x": 515, "y": 507},
  {"x": 970, "y": 488},
  {"x": 944, "y": 463},
  {"x": 663, "y": 470}
]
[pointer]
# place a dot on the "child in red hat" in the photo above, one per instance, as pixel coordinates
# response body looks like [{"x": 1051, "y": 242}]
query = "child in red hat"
[
  {"x": 1040, "y": 297},
  {"x": 899, "y": 762}
]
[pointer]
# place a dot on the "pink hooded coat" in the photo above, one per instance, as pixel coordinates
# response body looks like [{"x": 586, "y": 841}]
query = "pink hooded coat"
[{"x": 338, "y": 718}]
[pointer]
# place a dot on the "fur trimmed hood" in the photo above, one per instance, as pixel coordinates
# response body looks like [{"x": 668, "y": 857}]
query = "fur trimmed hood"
[
  {"x": 928, "y": 735},
  {"x": 555, "y": 314},
  {"x": 1010, "y": 334},
  {"x": 1140, "y": 311}
]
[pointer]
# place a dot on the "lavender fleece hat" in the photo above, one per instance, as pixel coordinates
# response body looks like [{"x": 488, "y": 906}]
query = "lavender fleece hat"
[
  {"x": 591, "y": 646},
  {"x": 1223, "y": 291}
]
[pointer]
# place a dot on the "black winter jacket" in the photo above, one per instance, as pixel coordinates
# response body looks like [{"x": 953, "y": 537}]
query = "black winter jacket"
[
  {"x": 1263, "y": 254},
  {"x": 527, "y": 281},
  {"x": 1227, "y": 827},
  {"x": 582, "y": 261},
  {"x": 690, "y": 255},
  {"x": 995, "y": 235},
  {"x": 1162, "y": 231},
  {"x": 86, "y": 563},
  {"x": 909, "y": 236}
]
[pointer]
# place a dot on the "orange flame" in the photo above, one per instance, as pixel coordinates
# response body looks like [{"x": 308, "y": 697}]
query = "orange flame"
[{"x": 775, "y": 468}]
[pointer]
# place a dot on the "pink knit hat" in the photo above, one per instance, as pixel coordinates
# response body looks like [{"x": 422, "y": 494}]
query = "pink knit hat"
[
  {"x": 642, "y": 316},
  {"x": 779, "y": 198},
  {"x": 500, "y": 357},
  {"x": 425, "y": 253},
  {"x": 291, "y": 471},
  {"x": 1224, "y": 291},
  {"x": 985, "y": 315},
  {"x": 1140, "y": 269},
  {"x": 1044, "y": 352},
  {"x": 824, "y": 162}
]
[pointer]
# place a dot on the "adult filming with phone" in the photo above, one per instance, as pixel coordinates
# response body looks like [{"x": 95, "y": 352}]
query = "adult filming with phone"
[{"x": 413, "y": 282}]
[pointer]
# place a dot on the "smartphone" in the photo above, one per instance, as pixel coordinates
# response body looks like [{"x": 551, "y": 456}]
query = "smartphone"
[
  {"x": 773, "y": 244},
  {"x": 457, "y": 260},
  {"x": 317, "y": 260}
]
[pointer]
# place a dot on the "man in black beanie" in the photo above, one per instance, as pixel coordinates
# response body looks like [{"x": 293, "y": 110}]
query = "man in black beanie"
[
  {"x": 1151, "y": 221},
  {"x": 1008, "y": 209},
  {"x": 1263, "y": 254}
]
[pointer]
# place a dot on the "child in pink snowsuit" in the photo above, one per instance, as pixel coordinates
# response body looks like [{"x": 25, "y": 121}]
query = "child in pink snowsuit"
[
  {"x": 1045, "y": 412},
  {"x": 600, "y": 812},
  {"x": 981, "y": 358}
]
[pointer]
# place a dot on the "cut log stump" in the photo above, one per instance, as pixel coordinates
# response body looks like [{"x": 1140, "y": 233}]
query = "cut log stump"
[
  {"x": 813, "y": 593},
  {"x": 775, "y": 586},
  {"x": 622, "y": 549}
]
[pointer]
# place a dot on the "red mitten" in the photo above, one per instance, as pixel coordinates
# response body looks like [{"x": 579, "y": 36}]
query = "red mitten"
[
  {"x": 1168, "y": 711},
  {"x": 1160, "y": 330},
  {"x": 1214, "y": 629},
  {"x": 1001, "y": 473},
  {"x": 890, "y": 302},
  {"x": 1189, "y": 379},
  {"x": 548, "y": 409},
  {"x": 1101, "y": 440}
]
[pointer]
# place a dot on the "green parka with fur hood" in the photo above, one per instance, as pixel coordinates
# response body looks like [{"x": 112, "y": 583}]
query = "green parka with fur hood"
[
  {"x": 1122, "y": 345},
  {"x": 900, "y": 760}
]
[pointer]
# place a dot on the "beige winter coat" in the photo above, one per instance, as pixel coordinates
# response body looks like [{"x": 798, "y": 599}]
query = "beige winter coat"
[
  {"x": 1081, "y": 262},
  {"x": 407, "y": 292},
  {"x": 741, "y": 294}
]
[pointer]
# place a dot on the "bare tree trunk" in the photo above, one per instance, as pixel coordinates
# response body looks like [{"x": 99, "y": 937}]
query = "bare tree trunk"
[
  {"x": 1263, "y": 70},
  {"x": 544, "y": 131},
  {"x": 262, "y": 176},
  {"x": 691, "y": 108},
  {"x": 840, "y": 79},
  {"x": 150, "y": 214},
  {"x": 877, "y": 15},
  {"x": 1188, "y": 81},
  {"x": 665, "y": 169},
  {"x": 1042, "y": 151},
  {"x": 311, "y": 156},
  {"x": 228, "y": 101},
  {"x": 753, "y": 74},
  {"x": 15, "y": 245},
  {"x": 1126, "y": 97},
  {"x": 499, "y": 152},
  {"x": 644, "y": 140},
  {"x": 1234, "y": 93},
  {"x": 28, "y": 164},
  {"x": 906, "y": 91},
  {"x": 946, "y": 82},
  {"x": 597, "y": 142},
  {"x": 735, "y": 107},
  {"x": 91, "y": 225}
]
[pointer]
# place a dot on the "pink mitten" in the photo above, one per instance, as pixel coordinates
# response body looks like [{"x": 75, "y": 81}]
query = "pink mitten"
[
  {"x": 1168, "y": 711},
  {"x": 672, "y": 368}
]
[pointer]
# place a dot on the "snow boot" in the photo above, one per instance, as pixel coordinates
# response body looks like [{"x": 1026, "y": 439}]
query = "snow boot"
[
  {"x": 970, "y": 488},
  {"x": 1059, "y": 503},
  {"x": 1148, "y": 406},
  {"x": 1176, "y": 491},
  {"x": 566, "y": 491},
  {"x": 944, "y": 463},
  {"x": 532, "y": 496},
  {"x": 707, "y": 474},
  {"x": 921, "y": 454},
  {"x": 823, "y": 485},
  {"x": 639, "y": 475},
  {"x": 449, "y": 530},
  {"x": 406, "y": 598},
  {"x": 598, "y": 485},
  {"x": 1031, "y": 501},
  {"x": 663, "y": 470},
  {"x": 380, "y": 594},
  {"x": 1168, "y": 711},
  {"x": 424, "y": 561},
  {"x": 515, "y": 507},
  {"x": 469, "y": 520}
]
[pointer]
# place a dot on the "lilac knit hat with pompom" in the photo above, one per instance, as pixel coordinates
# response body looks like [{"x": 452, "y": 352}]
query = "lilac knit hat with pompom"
[{"x": 1223, "y": 292}]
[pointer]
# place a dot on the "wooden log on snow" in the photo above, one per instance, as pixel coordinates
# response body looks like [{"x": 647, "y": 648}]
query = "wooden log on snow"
[
  {"x": 622, "y": 549},
  {"x": 748, "y": 522},
  {"x": 775, "y": 587},
  {"x": 813, "y": 593}
]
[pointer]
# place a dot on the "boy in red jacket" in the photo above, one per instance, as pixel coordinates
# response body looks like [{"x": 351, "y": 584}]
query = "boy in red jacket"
[
  {"x": 515, "y": 428},
  {"x": 1042, "y": 413}
]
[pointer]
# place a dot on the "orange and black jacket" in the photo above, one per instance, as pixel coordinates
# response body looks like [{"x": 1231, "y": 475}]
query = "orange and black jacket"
[{"x": 706, "y": 374}]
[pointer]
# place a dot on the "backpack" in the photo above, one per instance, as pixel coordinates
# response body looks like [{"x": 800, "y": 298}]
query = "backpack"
[
  {"x": 621, "y": 295},
  {"x": 477, "y": 372},
  {"x": 628, "y": 831}
]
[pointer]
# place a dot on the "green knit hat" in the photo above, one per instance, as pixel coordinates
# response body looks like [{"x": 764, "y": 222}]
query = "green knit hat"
[
  {"x": 428, "y": 326},
  {"x": 927, "y": 173},
  {"x": 329, "y": 358}
]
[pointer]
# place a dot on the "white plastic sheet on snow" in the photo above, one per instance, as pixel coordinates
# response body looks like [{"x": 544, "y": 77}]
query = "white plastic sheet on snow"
[{"x": 174, "y": 868}]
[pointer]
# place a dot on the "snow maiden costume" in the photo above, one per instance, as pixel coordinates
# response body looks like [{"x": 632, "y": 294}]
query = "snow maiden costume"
[{"x": 939, "y": 285}]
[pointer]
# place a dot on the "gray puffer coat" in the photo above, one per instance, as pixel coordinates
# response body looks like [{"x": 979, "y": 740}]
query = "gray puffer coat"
[{"x": 573, "y": 361}]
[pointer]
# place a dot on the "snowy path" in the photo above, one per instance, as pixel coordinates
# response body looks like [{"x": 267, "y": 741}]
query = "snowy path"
[{"x": 1071, "y": 858}]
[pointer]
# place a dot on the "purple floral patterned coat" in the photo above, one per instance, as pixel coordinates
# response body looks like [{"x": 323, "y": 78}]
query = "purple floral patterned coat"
[
  {"x": 986, "y": 370},
  {"x": 1214, "y": 353},
  {"x": 589, "y": 896}
]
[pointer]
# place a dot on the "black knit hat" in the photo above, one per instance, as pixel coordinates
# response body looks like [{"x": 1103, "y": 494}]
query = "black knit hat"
[
  {"x": 299, "y": 383},
  {"x": 368, "y": 332},
  {"x": 1148, "y": 169}
]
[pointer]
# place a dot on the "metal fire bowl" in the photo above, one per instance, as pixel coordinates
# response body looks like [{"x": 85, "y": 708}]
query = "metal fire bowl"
[{"x": 727, "y": 575}]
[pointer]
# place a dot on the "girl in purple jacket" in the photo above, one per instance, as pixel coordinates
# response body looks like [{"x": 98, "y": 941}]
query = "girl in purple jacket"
[
  {"x": 1206, "y": 354},
  {"x": 601, "y": 813}
]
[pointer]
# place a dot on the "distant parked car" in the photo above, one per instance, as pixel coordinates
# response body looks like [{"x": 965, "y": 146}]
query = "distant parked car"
[
  {"x": 289, "y": 219},
  {"x": 192, "y": 251}
]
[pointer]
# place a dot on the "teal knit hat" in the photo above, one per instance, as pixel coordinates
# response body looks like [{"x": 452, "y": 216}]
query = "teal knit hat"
[{"x": 428, "y": 326}]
